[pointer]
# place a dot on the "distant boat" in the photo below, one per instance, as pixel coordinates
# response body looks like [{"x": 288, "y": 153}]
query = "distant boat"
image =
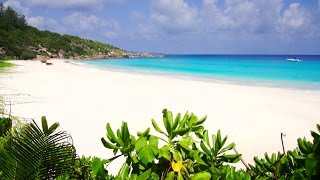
[{"x": 294, "y": 59}]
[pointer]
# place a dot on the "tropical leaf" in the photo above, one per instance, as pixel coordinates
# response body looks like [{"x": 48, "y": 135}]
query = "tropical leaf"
[
  {"x": 5, "y": 125},
  {"x": 31, "y": 154},
  {"x": 147, "y": 148}
]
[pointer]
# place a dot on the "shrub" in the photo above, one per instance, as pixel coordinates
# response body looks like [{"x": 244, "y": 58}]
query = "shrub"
[
  {"x": 6, "y": 58},
  {"x": 28, "y": 55},
  {"x": 187, "y": 153}
]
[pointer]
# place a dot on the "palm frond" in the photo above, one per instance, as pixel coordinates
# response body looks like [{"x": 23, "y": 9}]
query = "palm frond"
[{"x": 33, "y": 154}]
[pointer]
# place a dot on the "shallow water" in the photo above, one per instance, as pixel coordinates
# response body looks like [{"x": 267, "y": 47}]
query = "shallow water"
[{"x": 265, "y": 70}]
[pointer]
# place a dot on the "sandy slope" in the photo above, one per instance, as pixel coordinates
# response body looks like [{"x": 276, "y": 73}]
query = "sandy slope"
[{"x": 84, "y": 99}]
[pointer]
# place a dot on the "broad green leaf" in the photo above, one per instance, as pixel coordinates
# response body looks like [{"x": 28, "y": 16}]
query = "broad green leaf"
[
  {"x": 124, "y": 171},
  {"x": 315, "y": 135},
  {"x": 165, "y": 152},
  {"x": 184, "y": 120},
  {"x": 206, "y": 138},
  {"x": 258, "y": 161},
  {"x": 177, "y": 155},
  {"x": 199, "y": 160},
  {"x": 145, "y": 175},
  {"x": 193, "y": 120},
  {"x": 170, "y": 176},
  {"x": 273, "y": 157},
  {"x": 201, "y": 176},
  {"x": 108, "y": 145},
  {"x": 303, "y": 146},
  {"x": 199, "y": 135},
  {"x": 166, "y": 122},
  {"x": 147, "y": 148},
  {"x": 186, "y": 141},
  {"x": 229, "y": 147},
  {"x": 181, "y": 131},
  {"x": 98, "y": 168},
  {"x": 268, "y": 158},
  {"x": 197, "y": 129},
  {"x": 119, "y": 135},
  {"x": 169, "y": 118},
  {"x": 112, "y": 136},
  {"x": 214, "y": 144},
  {"x": 145, "y": 133},
  {"x": 204, "y": 148},
  {"x": 232, "y": 158},
  {"x": 156, "y": 127},
  {"x": 201, "y": 121},
  {"x": 180, "y": 177},
  {"x": 311, "y": 164},
  {"x": 218, "y": 141},
  {"x": 176, "y": 121},
  {"x": 133, "y": 177},
  {"x": 224, "y": 141},
  {"x": 125, "y": 134}
]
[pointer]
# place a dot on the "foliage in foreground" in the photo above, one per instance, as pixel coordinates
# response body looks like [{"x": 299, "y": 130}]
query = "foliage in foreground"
[
  {"x": 181, "y": 149},
  {"x": 188, "y": 151},
  {"x": 31, "y": 152}
]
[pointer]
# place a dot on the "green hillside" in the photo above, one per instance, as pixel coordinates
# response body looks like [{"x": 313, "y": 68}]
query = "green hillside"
[{"x": 18, "y": 40}]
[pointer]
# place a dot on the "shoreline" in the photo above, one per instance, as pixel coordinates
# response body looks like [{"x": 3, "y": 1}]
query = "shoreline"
[
  {"x": 267, "y": 83},
  {"x": 84, "y": 99}
]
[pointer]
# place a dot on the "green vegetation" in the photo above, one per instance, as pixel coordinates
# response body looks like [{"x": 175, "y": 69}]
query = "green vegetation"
[
  {"x": 181, "y": 149},
  {"x": 4, "y": 64},
  {"x": 20, "y": 41},
  {"x": 34, "y": 153}
]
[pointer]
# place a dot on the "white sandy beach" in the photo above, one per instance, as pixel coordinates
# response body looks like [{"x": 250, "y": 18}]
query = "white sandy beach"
[{"x": 84, "y": 99}]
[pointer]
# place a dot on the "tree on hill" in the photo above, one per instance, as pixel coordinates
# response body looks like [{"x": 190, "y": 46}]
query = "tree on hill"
[
  {"x": 18, "y": 40},
  {"x": 10, "y": 19}
]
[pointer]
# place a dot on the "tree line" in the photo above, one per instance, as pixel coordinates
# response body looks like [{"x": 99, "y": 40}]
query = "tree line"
[{"x": 18, "y": 40}]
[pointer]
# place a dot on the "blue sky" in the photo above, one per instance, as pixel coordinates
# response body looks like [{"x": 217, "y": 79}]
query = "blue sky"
[{"x": 184, "y": 26}]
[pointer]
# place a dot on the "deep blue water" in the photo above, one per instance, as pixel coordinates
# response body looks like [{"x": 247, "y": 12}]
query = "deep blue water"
[{"x": 265, "y": 70}]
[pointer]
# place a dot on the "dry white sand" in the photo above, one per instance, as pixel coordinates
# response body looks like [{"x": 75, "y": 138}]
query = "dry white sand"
[{"x": 84, "y": 99}]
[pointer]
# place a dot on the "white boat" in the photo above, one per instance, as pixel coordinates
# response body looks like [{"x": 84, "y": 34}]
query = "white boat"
[{"x": 294, "y": 59}]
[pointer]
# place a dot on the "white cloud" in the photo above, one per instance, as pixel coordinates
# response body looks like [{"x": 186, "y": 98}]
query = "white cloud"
[
  {"x": 91, "y": 24},
  {"x": 293, "y": 18},
  {"x": 87, "y": 26},
  {"x": 234, "y": 20},
  {"x": 243, "y": 14},
  {"x": 173, "y": 15},
  {"x": 255, "y": 15},
  {"x": 213, "y": 18},
  {"x": 36, "y": 21},
  {"x": 44, "y": 23},
  {"x": 17, "y": 6}
]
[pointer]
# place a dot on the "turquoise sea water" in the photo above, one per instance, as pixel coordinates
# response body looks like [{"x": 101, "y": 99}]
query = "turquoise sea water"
[{"x": 264, "y": 70}]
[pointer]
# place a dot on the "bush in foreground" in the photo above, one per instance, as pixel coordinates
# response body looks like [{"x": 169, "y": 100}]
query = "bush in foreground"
[{"x": 181, "y": 149}]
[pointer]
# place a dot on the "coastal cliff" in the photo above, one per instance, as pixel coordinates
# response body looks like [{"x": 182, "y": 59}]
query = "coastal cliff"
[{"x": 18, "y": 40}]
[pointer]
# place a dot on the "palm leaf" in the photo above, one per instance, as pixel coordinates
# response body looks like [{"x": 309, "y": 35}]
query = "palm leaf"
[{"x": 34, "y": 154}]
